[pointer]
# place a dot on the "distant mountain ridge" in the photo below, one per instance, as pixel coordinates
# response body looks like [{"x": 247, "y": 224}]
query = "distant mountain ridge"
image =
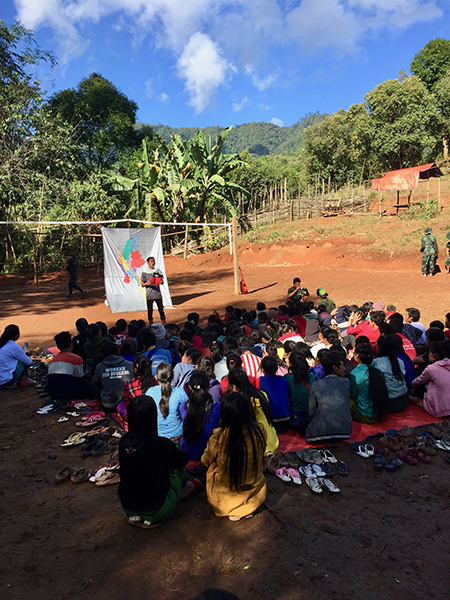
[{"x": 259, "y": 138}]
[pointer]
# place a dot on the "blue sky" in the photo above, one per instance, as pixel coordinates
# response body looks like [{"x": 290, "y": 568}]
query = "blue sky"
[{"x": 220, "y": 62}]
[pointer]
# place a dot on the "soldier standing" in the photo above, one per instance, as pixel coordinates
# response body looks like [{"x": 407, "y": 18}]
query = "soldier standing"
[{"x": 430, "y": 251}]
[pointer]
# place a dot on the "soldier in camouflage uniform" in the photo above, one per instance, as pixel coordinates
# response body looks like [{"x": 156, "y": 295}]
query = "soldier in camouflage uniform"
[{"x": 430, "y": 251}]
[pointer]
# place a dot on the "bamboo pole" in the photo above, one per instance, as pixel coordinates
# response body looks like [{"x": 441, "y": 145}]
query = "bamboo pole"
[
  {"x": 439, "y": 193},
  {"x": 185, "y": 242},
  {"x": 237, "y": 286}
]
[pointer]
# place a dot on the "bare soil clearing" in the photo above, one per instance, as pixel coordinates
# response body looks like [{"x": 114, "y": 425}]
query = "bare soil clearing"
[{"x": 384, "y": 536}]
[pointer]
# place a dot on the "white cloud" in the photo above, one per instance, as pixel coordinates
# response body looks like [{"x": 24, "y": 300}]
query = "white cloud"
[
  {"x": 237, "y": 106},
  {"x": 148, "y": 88},
  {"x": 163, "y": 97},
  {"x": 203, "y": 69},
  {"x": 246, "y": 31},
  {"x": 276, "y": 121},
  {"x": 265, "y": 106}
]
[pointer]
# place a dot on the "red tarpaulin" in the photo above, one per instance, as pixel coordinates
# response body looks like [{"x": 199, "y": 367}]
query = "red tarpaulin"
[{"x": 405, "y": 179}]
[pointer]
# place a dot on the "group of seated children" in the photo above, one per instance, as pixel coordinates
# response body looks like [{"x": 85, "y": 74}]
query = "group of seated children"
[{"x": 220, "y": 394}]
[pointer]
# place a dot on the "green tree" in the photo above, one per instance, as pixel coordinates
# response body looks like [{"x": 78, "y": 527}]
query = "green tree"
[
  {"x": 404, "y": 123},
  {"x": 103, "y": 118},
  {"x": 432, "y": 62}
]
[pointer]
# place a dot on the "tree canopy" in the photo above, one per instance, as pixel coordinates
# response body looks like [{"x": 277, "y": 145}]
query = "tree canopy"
[{"x": 432, "y": 62}]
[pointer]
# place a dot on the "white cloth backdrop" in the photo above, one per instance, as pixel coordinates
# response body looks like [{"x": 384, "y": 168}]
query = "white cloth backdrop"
[{"x": 125, "y": 253}]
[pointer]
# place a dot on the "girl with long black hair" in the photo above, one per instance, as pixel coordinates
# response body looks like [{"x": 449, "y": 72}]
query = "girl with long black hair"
[
  {"x": 300, "y": 380},
  {"x": 393, "y": 370},
  {"x": 152, "y": 477},
  {"x": 13, "y": 360},
  {"x": 200, "y": 416},
  {"x": 235, "y": 484},
  {"x": 240, "y": 383},
  {"x": 141, "y": 382},
  {"x": 168, "y": 400},
  {"x": 369, "y": 398}
]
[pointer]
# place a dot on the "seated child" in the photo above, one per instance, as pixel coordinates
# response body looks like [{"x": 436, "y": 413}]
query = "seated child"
[
  {"x": 200, "y": 416},
  {"x": 437, "y": 375},
  {"x": 168, "y": 400},
  {"x": 157, "y": 355},
  {"x": 120, "y": 334},
  {"x": 206, "y": 365},
  {"x": 138, "y": 386},
  {"x": 369, "y": 399},
  {"x": 300, "y": 380},
  {"x": 329, "y": 402},
  {"x": 183, "y": 370},
  {"x": 13, "y": 360},
  {"x": 110, "y": 376},
  {"x": 277, "y": 389},
  {"x": 394, "y": 372},
  {"x": 79, "y": 340},
  {"x": 235, "y": 484},
  {"x": 152, "y": 477},
  {"x": 66, "y": 379}
]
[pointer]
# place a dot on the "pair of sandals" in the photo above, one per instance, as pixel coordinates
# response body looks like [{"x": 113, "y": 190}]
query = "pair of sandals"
[
  {"x": 381, "y": 464},
  {"x": 318, "y": 484},
  {"x": 289, "y": 474},
  {"x": 364, "y": 450},
  {"x": 412, "y": 456}
]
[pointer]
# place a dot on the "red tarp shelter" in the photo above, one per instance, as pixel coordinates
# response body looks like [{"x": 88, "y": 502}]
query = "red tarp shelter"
[{"x": 405, "y": 179}]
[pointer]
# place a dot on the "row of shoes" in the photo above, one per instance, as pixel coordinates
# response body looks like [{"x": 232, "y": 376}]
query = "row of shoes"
[
  {"x": 315, "y": 477},
  {"x": 293, "y": 460}
]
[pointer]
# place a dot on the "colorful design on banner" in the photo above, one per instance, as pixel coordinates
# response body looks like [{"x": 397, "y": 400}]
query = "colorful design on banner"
[{"x": 130, "y": 259}]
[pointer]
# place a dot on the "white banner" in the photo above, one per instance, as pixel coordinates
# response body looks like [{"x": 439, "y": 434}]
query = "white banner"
[{"x": 125, "y": 258}]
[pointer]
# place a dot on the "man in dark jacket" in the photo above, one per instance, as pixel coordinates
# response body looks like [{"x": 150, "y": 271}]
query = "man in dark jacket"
[
  {"x": 110, "y": 376},
  {"x": 72, "y": 267}
]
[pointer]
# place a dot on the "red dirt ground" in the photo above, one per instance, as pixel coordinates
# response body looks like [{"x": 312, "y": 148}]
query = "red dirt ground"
[{"x": 384, "y": 536}]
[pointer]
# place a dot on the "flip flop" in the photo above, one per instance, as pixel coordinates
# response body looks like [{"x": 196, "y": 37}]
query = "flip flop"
[
  {"x": 360, "y": 451},
  {"x": 314, "y": 484},
  {"x": 271, "y": 462},
  {"x": 393, "y": 465},
  {"x": 370, "y": 450},
  {"x": 305, "y": 455},
  {"x": 316, "y": 457},
  {"x": 307, "y": 471},
  {"x": 62, "y": 419},
  {"x": 328, "y": 456},
  {"x": 330, "y": 485},
  {"x": 317, "y": 470},
  {"x": 74, "y": 439},
  {"x": 282, "y": 474},
  {"x": 427, "y": 446},
  {"x": 292, "y": 459},
  {"x": 327, "y": 469},
  {"x": 342, "y": 467},
  {"x": 443, "y": 445},
  {"x": 294, "y": 476},
  {"x": 45, "y": 410},
  {"x": 407, "y": 431},
  {"x": 138, "y": 521},
  {"x": 282, "y": 460}
]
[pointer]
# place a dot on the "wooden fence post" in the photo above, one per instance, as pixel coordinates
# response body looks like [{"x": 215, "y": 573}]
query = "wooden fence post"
[
  {"x": 185, "y": 242},
  {"x": 237, "y": 281}
]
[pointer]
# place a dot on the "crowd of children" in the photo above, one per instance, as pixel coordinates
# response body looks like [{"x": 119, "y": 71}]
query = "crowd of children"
[{"x": 221, "y": 393}]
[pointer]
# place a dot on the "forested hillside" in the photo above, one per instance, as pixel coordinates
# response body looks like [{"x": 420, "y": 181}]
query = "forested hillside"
[{"x": 260, "y": 139}]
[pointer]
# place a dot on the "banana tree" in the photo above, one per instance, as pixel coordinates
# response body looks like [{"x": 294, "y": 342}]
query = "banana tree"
[{"x": 213, "y": 193}]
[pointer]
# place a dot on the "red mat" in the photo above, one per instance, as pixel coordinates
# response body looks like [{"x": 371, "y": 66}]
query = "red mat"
[{"x": 412, "y": 415}]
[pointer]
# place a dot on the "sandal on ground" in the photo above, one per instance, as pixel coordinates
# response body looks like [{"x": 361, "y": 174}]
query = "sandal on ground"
[
  {"x": 314, "y": 484},
  {"x": 370, "y": 450},
  {"x": 271, "y": 462},
  {"x": 317, "y": 470},
  {"x": 282, "y": 474},
  {"x": 294, "y": 476},
  {"x": 64, "y": 475},
  {"x": 330, "y": 485},
  {"x": 328, "y": 456},
  {"x": 282, "y": 460},
  {"x": 293, "y": 460},
  {"x": 393, "y": 465},
  {"x": 436, "y": 431},
  {"x": 379, "y": 462},
  {"x": 74, "y": 439},
  {"x": 407, "y": 431},
  {"x": 327, "y": 469},
  {"x": 45, "y": 410},
  {"x": 305, "y": 455},
  {"x": 80, "y": 476},
  {"x": 108, "y": 478},
  {"x": 342, "y": 467},
  {"x": 428, "y": 446},
  {"x": 197, "y": 488},
  {"x": 231, "y": 518},
  {"x": 360, "y": 451},
  {"x": 408, "y": 456},
  {"x": 62, "y": 419},
  {"x": 420, "y": 454}
]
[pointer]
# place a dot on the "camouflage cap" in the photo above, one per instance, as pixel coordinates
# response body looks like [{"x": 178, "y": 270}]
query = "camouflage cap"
[{"x": 428, "y": 230}]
